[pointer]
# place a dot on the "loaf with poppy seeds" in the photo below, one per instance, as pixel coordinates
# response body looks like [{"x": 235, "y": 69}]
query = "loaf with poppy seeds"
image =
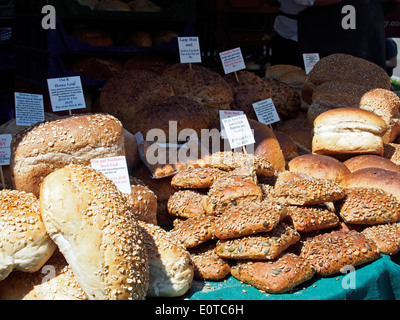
[{"x": 90, "y": 221}]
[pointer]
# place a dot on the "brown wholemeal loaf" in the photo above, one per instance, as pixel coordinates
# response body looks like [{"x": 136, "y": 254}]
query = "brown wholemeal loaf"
[
  {"x": 47, "y": 146},
  {"x": 348, "y": 131},
  {"x": 319, "y": 166},
  {"x": 143, "y": 203},
  {"x": 89, "y": 218},
  {"x": 288, "y": 146},
  {"x": 200, "y": 84},
  {"x": 346, "y": 67},
  {"x": 172, "y": 115},
  {"x": 370, "y": 161},
  {"x": 386, "y": 180},
  {"x": 127, "y": 93},
  {"x": 24, "y": 242}
]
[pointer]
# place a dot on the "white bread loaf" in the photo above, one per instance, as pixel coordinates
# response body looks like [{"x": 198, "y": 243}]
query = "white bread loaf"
[
  {"x": 90, "y": 221},
  {"x": 24, "y": 242}
]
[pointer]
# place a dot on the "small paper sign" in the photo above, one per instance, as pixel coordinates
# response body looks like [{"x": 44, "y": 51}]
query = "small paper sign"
[
  {"x": 114, "y": 168},
  {"x": 5, "y": 149},
  {"x": 238, "y": 131},
  {"x": 29, "y": 108},
  {"x": 223, "y": 114},
  {"x": 232, "y": 60},
  {"x": 266, "y": 111},
  {"x": 189, "y": 49},
  {"x": 66, "y": 93},
  {"x": 310, "y": 59}
]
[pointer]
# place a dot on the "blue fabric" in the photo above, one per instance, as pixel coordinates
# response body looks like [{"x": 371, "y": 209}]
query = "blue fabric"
[{"x": 379, "y": 280}]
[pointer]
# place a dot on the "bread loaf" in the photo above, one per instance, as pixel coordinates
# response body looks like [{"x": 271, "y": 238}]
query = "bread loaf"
[
  {"x": 45, "y": 147},
  {"x": 370, "y": 161},
  {"x": 91, "y": 223},
  {"x": 24, "y": 242}
]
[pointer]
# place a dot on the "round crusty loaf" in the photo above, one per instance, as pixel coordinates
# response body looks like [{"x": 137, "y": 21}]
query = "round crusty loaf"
[
  {"x": 370, "y": 161},
  {"x": 90, "y": 221},
  {"x": 170, "y": 271},
  {"x": 24, "y": 242},
  {"x": 378, "y": 178},
  {"x": 348, "y": 131},
  {"x": 319, "y": 166},
  {"x": 48, "y": 146},
  {"x": 200, "y": 84},
  {"x": 277, "y": 70},
  {"x": 172, "y": 116},
  {"x": 127, "y": 93},
  {"x": 346, "y": 67},
  {"x": 266, "y": 145},
  {"x": 55, "y": 281}
]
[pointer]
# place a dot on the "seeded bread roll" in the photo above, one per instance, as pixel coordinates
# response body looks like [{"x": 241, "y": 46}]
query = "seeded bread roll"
[
  {"x": 127, "y": 93},
  {"x": 196, "y": 178},
  {"x": 48, "y": 146},
  {"x": 319, "y": 166},
  {"x": 143, "y": 203},
  {"x": 24, "y": 242},
  {"x": 386, "y": 180},
  {"x": 54, "y": 281},
  {"x": 386, "y": 237},
  {"x": 350, "y": 131},
  {"x": 186, "y": 204},
  {"x": 370, "y": 161},
  {"x": 277, "y": 276},
  {"x": 368, "y": 206},
  {"x": 170, "y": 272},
  {"x": 88, "y": 218},
  {"x": 301, "y": 189},
  {"x": 330, "y": 252}
]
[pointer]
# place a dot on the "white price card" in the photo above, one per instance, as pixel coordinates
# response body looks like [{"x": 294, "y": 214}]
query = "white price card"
[
  {"x": 310, "y": 59},
  {"x": 66, "y": 93},
  {"x": 29, "y": 108},
  {"x": 116, "y": 169},
  {"x": 232, "y": 60},
  {"x": 223, "y": 114},
  {"x": 266, "y": 111},
  {"x": 238, "y": 131},
  {"x": 5, "y": 149},
  {"x": 189, "y": 49}
]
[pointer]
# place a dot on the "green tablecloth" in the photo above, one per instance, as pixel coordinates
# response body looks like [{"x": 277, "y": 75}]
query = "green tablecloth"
[{"x": 379, "y": 280}]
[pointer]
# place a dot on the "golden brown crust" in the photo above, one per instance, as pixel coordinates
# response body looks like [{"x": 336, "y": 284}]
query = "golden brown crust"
[
  {"x": 278, "y": 70},
  {"x": 195, "y": 231},
  {"x": 297, "y": 189},
  {"x": 143, "y": 203},
  {"x": 330, "y": 252},
  {"x": 249, "y": 218},
  {"x": 277, "y": 276},
  {"x": 385, "y": 236},
  {"x": 368, "y": 206},
  {"x": 186, "y": 204},
  {"x": 311, "y": 218},
  {"x": 195, "y": 178},
  {"x": 263, "y": 246},
  {"x": 319, "y": 166},
  {"x": 207, "y": 264},
  {"x": 370, "y": 161}
]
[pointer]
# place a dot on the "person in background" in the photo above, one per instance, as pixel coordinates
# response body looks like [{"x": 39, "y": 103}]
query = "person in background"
[
  {"x": 391, "y": 56},
  {"x": 284, "y": 45}
]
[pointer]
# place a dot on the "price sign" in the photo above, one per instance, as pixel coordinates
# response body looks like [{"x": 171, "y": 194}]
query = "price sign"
[
  {"x": 5, "y": 149},
  {"x": 223, "y": 114},
  {"x": 66, "y": 93},
  {"x": 114, "y": 168},
  {"x": 232, "y": 60},
  {"x": 29, "y": 108},
  {"x": 266, "y": 111},
  {"x": 310, "y": 59},
  {"x": 238, "y": 131},
  {"x": 189, "y": 49}
]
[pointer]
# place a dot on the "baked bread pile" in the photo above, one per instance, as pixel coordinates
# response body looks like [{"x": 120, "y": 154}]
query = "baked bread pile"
[{"x": 276, "y": 230}]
